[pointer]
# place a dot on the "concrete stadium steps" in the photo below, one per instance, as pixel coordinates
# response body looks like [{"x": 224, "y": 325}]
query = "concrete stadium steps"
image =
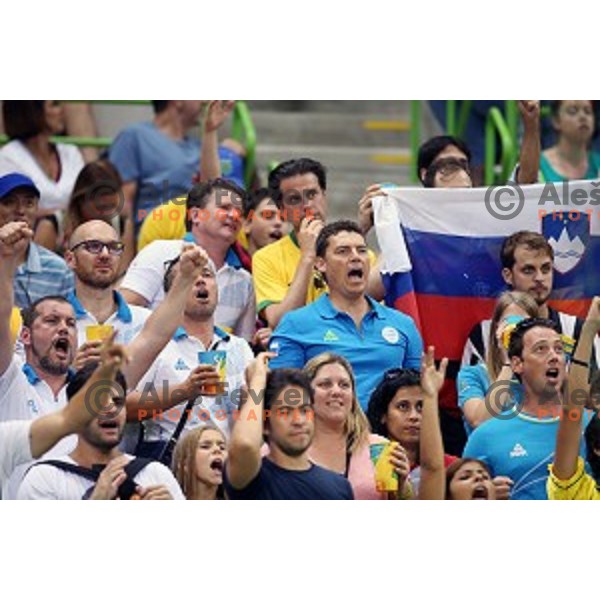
[{"x": 360, "y": 142}]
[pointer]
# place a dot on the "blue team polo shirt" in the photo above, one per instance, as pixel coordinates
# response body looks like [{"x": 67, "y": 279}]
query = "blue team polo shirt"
[
  {"x": 519, "y": 446},
  {"x": 386, "y": 339}
]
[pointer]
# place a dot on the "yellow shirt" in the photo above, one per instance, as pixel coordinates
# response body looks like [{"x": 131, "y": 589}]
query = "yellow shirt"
[
  {"x": 579, "y": 487},
  {"x": 15, "y": 325},
  {"x": 167, "y": 222},
  {"x": 274, "y": 268}
]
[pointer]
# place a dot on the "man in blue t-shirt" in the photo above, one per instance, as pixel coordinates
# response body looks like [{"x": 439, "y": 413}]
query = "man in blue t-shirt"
[
  {"x": 372, "y": 337},
  {"x": 283, "y": 402},
  {"x": 158, "y": 159},
  {"x": 519, "y": 444}
]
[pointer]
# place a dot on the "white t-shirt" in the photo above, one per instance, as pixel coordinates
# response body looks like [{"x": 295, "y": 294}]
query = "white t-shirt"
[
  {"x": 24, "y": 396},
  {"x": 54, "y": 195},
  {"x": 174, "y": 365},
  {"x": 45, "y": 482},
  {"x": 236, "y": 310},
  {"x": 15, "y": 447}
]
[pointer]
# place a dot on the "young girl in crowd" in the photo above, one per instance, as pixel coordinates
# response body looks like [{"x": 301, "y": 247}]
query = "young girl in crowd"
[
  {"x": 198, "y": 463},
  {"x": 469, "y": 479},
  {"x": 477, "y": 398},
  {"x": 571, "y": 156}
]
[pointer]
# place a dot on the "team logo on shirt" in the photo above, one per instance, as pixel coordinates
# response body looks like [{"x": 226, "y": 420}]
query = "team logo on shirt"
[
  {"x": 330, "y": 336},
  {"x": 181, "y": 366},
  {"x": 390, "y": 334},
  {"x": 518, "y": 451}
]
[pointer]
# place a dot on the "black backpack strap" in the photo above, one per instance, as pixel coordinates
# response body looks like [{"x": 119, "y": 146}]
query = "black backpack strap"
[
  {"x": 167, "y": 452},
  {"x": 126, "y": 489},
  {"x": 133, "y": 467},
  {"x": 90, "y": 474}
]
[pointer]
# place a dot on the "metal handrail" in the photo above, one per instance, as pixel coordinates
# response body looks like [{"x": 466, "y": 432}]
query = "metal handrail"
[
  {"x": 496, "y": 124},
  {"x": 415, "y": 137},
  {"x": 242, "y": 130}
]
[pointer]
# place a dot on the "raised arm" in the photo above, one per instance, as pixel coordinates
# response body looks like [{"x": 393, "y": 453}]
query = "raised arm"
[
  {"x": 91, "y": 399},
  {"x": 531, "y": 148},
  {"x": 216, "y": 114},
  {"x": 163, "y": 322},
  {"x": 244, "y": 460},
  {"x": 569, "y": 431},
  {"x": 14, "y": 239},
  {"x": 431, "y": 448}
]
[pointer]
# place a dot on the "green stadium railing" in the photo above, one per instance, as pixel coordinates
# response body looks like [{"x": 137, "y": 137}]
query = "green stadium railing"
[
  {"x": 496, "y": 127},
  {"x": 242, "y": 130}
]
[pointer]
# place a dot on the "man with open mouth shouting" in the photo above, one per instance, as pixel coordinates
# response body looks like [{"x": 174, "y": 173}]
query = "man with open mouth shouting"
[
  {"x": 346, "y": 321},
  {"x": 519, "y": 444}
]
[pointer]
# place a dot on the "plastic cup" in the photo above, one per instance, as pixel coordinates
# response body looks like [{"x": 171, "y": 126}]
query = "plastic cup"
[
  {"x": 217, "y": 358},
  {"x": 98, "y": 332},
  {"x": 386, "y": 479}
]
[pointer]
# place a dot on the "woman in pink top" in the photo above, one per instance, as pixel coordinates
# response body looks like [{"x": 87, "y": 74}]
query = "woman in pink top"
[{"x": 342, "y": 438}]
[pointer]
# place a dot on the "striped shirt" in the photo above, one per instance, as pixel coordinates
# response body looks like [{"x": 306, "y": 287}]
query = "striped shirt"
[{"x": 43, "y": 273}]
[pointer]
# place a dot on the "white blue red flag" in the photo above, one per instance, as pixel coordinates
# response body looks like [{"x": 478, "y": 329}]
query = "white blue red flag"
[{"x": 441, "y": 252}]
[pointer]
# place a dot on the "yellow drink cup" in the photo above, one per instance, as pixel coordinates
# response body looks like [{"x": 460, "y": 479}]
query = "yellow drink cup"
[
  {"x": 218, "y": 359},
  {"x": 386, "y": 479},
  {"x": 98, "y": 332}
]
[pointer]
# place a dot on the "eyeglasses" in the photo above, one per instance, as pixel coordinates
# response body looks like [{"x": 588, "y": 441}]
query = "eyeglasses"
[{"x": 96, "y": 247}]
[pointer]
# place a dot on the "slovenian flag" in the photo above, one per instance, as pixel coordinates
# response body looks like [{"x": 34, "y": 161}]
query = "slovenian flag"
[{"x": 441, "y": 251}]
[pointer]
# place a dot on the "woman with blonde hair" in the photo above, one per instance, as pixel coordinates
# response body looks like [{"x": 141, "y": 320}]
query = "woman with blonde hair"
[
  {"x": 198, "y": 463},
  {"x": 478, "y": 399},
  {"x": 343, "y": 441}
]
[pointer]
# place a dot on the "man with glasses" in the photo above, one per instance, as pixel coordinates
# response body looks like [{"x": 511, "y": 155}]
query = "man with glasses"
[
  {"x": 39, "y": 272},
  {"x": 49, "y": 335},
  {"x": 94, "y": 255}
]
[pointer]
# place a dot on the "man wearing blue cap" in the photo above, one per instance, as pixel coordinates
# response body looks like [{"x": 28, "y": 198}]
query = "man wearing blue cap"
[{"x": 40, "y": 272}]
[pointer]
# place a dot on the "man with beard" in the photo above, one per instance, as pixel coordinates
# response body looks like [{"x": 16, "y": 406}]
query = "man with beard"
[
  {"x": 519, "y": 443},
  {"x": 49, "y": 335},
  {"x": 527, "y": 266},
  {"x": 23, "y": 441},
  {"x": 283, "y": 401},
  {"x": 189, "y": 381},
  {"x": 94, "y": 256},
  {"x": 98, "y": 458}
]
